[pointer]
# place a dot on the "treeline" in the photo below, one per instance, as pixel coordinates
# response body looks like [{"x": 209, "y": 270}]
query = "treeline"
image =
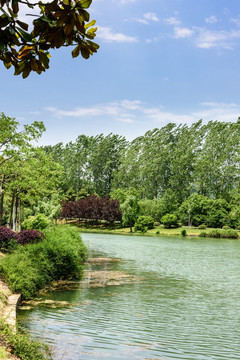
[
  {"x": 189, "y": 171},
  {"x": 172, "y": 162}
]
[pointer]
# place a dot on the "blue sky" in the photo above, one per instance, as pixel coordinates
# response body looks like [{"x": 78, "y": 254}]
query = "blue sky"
[{"x": 159, "y": 61}]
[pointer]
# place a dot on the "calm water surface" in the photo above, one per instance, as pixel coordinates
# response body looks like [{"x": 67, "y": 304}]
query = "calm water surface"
[{"x": 185, "y": 306}]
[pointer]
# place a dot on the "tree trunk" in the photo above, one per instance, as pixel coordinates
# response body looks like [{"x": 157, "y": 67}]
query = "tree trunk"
[
  {"x": 9, "y": 225},
  {"x": 14, "y": 218},
  {"x": 1, "y": 199},
  {"x": 19, "y": 216}
]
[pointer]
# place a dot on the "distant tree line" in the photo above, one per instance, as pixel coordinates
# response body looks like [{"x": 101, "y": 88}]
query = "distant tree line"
[
  {"x": 171, "y": 162},
  {"x": 190, "y": 171},
  {"x": 175, "y": 174}
]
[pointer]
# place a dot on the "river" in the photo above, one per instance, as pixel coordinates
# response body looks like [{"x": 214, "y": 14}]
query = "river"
[{"x": 177, "y": 298}]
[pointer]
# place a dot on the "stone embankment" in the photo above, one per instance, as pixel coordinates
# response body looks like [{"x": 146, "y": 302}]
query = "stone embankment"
[{"x": 8, "y": 312}]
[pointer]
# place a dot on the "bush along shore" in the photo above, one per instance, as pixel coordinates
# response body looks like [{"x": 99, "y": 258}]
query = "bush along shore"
[{"x": 33, "y": 260}]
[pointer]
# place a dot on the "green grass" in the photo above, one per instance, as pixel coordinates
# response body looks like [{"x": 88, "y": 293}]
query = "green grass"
[{"x": 157, "y": 231}]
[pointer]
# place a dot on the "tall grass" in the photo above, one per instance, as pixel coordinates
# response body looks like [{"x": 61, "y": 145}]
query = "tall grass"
[{"x": 59, "y": 256}]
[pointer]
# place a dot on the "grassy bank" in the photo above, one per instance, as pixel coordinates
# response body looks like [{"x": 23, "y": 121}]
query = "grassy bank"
[
  {"x": 60, "y": 256},
  {"x": 157, "y": 231}
]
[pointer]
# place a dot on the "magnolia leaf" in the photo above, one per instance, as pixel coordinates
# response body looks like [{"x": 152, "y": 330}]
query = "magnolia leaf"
[
  {"x": 85, "y": 15},
  {"x": 15, "y": 6},
  {"x": 85, "y": 3},
  {"x": 85, "y": 52},
  {"x": 43, "y": 58},
  {"x": 22, "y": 24},
  {"x": 91, "y": 23},
  {"x": 7, "y": 64},
  {"x": 26, "y": 36},
  {"x": 76, "y": 51},
  {"x": 19, "y": 67},
  {"x": 4, "y": 20}
]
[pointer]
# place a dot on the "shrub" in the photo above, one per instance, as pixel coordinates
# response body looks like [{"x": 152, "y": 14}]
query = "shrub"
[
  {"x": 144, "y": 222},
  {"x": 226, "y": 234},
  {"x": 202, "y": 226},
  {"x": 7, "y": 238},
  {"x": 58, "y": 257},
  {"x": 184, "y": 232},
  {"x": 226, "y": 227},
  {"x": 229, "y": 234},
  {"x": 157, "y": 232},
  {"x": 203, "y": 234},
  {"x": 169, "y": 220},
  {"x": 29, "y": 237},
  {"x": 38, "y": 222},
  {"x": 214, "y": 234}
]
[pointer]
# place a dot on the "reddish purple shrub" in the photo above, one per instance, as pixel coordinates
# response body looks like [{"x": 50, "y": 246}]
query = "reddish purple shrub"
[
  {"x": 6, "y": 235},
  {"x": 93, "y": 208},
  {"x": 29, "y": 237}
]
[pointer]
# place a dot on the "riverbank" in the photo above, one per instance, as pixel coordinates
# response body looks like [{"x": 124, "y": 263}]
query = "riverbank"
[
  {"x": 157, "y": 231},
  {"x": 59, "y": 256}
]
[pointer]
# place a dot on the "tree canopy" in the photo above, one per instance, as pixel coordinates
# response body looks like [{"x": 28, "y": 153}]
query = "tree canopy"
[{"x": 55, "y": 24}]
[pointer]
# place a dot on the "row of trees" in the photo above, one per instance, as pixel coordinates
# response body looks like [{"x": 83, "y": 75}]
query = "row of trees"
[
  {"x": 169, "y": 163},
  {"x": 189, "y": 171}
]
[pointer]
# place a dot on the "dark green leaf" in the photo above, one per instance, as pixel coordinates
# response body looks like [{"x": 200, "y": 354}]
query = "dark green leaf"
[
  {"x": 85, "y": 3},
  {"x": 26, "y": 36}
]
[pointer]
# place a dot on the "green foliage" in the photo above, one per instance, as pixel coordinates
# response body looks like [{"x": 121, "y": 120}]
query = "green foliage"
[
  {"x": 38, "y": 222},
  {"x": 144, "y": 223},
  {"x": 226, "y": 227},
  {"x": 59, "y": 256},
  {"x": 169, "y": 221},
  {"x": 130, "y": 211},
  {"x": 22, "y": 345},
  {"x": 203, "y": 234},
  {"x": 202, "y": 226},
  {"x": 218, "y": 214},
  {"x": 199, "y": 209},
  {"x": 226, "y": 234},
  {"x": 122, "y": 194},
  {"x": 149, "y": 207},
  {"x": 59, "y": 23},
  {"x": 184, "y": 232},
  {"x": 229, "y": 234},
  {"x": 51, "y": 208}
]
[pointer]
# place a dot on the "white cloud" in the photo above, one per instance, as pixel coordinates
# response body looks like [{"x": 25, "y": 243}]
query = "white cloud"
[
  {"x": 134, "y": 111},
  {"x": 147, "y": 18},
  {"x": 219, "y": 111},
  {"x": 106, "y": 34},
  {"x": 122, "y": 109},
  {"x": 172, "y": 21},
  {"x": 211, "y": 19},
  {"x": 216, "y": 39},
  {"x": 181, "y": 32}
]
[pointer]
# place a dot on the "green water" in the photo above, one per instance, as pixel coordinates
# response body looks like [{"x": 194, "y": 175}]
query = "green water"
[{"x": 185, "y": 306}]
